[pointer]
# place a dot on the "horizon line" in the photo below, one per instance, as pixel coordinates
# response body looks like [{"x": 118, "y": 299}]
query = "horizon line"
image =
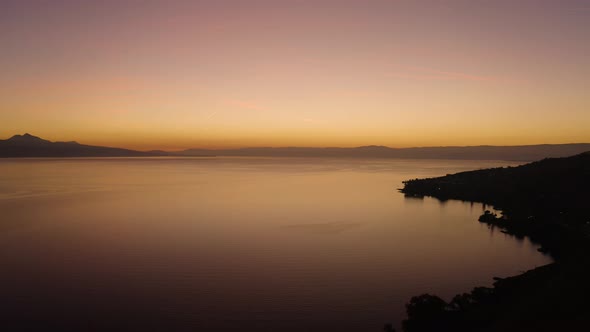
[{"x": 302, "y": 147}]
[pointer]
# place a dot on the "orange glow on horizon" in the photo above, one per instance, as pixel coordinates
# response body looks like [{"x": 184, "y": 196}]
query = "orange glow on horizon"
[{"x": 177, "y": 75}]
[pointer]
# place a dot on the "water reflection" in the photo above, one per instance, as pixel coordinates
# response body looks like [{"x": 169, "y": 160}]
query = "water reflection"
[{"x": 222, "y": 244}]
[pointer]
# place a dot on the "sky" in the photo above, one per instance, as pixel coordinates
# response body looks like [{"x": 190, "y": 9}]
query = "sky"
[{"x": 220, "y": 74}]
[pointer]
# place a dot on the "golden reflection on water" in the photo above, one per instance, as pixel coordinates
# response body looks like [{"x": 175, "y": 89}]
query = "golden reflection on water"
[{"x": 249, "y": 243}]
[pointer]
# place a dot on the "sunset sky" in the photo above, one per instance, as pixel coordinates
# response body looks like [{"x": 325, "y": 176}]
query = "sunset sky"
[{"x": 216, "y": 74}]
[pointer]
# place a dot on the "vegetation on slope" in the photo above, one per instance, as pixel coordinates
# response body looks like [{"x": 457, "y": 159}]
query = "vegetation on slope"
[{"x": 549, "y": 201}]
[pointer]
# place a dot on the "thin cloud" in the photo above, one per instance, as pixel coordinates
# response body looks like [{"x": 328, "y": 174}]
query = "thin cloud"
[
  {"x": 452, "y": 74},
  {"x": 419, "y": 76},
  {"x": 424, "y": 73},
  {"x": 211, "y": 115}
]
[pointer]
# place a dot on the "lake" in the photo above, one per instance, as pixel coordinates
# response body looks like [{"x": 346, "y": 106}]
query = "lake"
[{"x": 226, "y": 244}]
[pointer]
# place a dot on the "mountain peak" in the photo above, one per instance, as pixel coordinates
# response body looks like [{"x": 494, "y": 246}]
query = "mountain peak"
[
  {"x": 25, "y": 135},
  {"x": 26, "y": 138}
]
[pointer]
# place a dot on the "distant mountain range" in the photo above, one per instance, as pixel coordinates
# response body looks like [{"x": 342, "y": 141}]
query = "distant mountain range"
[
  {"x": 516, "y": 153},
  {"x": 31, "y": 146}
]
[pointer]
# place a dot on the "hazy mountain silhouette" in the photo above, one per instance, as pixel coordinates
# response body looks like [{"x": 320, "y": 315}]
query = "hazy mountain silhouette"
[
  {"x": 28, "y": 145},
  {"x": 31, "y": 146},
  {"x": 485, "y": 152}
]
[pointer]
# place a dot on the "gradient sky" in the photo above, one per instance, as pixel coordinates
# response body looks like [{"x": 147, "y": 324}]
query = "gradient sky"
[{"x": 180, "y": 74}]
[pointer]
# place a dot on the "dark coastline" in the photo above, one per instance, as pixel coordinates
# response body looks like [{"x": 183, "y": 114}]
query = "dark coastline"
[{"x": 547, "y": 201}]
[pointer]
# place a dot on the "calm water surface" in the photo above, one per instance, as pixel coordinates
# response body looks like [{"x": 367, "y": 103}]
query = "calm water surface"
[{"x": 226, "y": 244}]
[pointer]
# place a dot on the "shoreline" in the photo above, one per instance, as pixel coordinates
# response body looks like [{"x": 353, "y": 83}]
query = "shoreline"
[{"x": 544, "y": 201}]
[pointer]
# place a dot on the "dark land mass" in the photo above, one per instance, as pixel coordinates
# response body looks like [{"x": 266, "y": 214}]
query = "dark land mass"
[
  {"x": 31, "y": 146},
  {"x": 548, "y": 201}
]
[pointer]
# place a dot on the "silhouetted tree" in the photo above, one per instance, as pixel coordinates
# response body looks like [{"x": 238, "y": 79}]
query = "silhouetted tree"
[
  {"x": 388, "y": 328},
  {"x": 425, "y": 313}
]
